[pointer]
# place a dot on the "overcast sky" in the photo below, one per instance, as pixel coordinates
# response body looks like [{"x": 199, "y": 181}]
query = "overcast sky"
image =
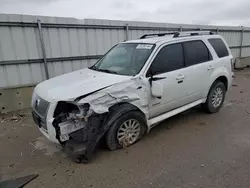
[{"x": 218, "y": 12}]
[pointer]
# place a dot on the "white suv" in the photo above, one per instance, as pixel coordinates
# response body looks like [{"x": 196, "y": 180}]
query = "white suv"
[{"x": 133, "y": 87}]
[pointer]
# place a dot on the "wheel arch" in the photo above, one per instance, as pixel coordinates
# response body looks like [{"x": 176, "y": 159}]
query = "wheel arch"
[
  {"x": 123, "y": 107},
  {"x": 223, "y": 79},
  {"x": 208, "y": 106},
  {"x": 219, "y": 75},
  {"x": 115, "y": 112}
]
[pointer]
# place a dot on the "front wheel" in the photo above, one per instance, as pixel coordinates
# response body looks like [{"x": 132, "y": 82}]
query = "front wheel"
[
  {"x": 126, "y": 130},
  {"x": 215, "y": 98}
]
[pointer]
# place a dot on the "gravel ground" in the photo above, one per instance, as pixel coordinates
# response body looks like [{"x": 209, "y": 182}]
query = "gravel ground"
[{"x": 193, "y": 149}]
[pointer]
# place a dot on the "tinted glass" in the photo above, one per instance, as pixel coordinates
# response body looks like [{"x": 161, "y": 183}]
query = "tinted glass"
[
  {"x": 195, "y": 52},
  {"x": 169, "y": 58},
  {"x": 219, "y": 47},
  {"x": 125, "y": 59}
]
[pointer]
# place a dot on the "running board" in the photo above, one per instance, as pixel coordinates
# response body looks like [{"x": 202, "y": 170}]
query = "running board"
[{"x": 162, "y": 117}]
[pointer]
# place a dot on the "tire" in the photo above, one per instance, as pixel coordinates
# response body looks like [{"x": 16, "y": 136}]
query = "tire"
[
  {"x": 212, "y": 105},
  {"x": 112, "y": 141}
]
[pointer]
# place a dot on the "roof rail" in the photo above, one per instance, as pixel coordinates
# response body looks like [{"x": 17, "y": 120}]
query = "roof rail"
[
  {"x": 157, "y": 35},
  {"x": 178, "y": 34},
  {"x": 192, "y": 33}
]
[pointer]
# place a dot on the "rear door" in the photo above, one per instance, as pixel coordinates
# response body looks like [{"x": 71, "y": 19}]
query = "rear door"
[
  {"x": 197, "y": 61},
  {"x": 221, "y": 61}
]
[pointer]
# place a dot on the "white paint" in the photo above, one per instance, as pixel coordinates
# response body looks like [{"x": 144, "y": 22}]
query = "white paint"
[
  {"x": 157, "y": 89},
  {"x": 162, "y": 117},
  {"x": 126, "y": 91},
  {"x": 72, "y": 85}
]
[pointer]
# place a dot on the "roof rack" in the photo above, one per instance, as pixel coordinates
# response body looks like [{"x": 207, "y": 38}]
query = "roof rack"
[
  {"x": 192, "y": 33},
  {"x": 178, "y": 34},
  {"x": 157, "y": 35}
]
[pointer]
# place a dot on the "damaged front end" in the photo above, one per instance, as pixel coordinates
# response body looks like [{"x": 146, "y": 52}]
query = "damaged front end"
[
  {"x": 78, "y": 129},
  {"x": 81, "y": 123}
]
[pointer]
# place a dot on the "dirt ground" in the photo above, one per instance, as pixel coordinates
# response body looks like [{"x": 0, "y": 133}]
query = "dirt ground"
[{"x": 193, "y": 149}]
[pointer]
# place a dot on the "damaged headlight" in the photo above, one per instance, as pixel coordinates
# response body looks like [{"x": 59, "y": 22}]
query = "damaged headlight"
[
  {"x": 83, "y": 114},
  {"x": 72, "y": 110},
  {"x": 70, "y": 117}
]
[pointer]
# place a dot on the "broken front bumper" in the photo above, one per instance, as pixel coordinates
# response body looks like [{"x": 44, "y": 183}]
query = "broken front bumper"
[
  {"x": 82, "y": 142},
  {"x": 45, "y": 123},
  {"x": 77, "y": 139}
]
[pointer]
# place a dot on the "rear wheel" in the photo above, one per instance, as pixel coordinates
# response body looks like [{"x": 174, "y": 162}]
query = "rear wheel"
[
  {"x": 126, "y": 130},
  {"x": 215, "y": 97}
]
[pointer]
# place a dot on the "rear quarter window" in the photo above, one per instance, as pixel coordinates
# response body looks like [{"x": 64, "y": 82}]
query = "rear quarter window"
[{"x": 219, "y": 47}]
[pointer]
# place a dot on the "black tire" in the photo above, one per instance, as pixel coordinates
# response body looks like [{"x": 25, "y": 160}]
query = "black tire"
[
  {"x": 208, "y": 106},
  {"x": 111, "y": 135}
]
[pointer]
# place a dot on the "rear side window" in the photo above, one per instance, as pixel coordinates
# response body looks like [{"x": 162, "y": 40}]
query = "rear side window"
[
  {"x": 195, "y": 52},
  {"x": 219, "y": 47},
  {"x": 169, "y": 58}
]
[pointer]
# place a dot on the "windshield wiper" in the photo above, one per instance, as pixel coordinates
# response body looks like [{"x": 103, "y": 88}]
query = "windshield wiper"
[
  {"x": 102, "y": 70},
  {"x": 93, "y": 68},
  {"x": 107, "y": 71}
]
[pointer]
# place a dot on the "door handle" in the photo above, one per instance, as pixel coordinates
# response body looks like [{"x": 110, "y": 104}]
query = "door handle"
[
  {"x": 210, "y": 67},
  {"x": 180, "y": 77}
]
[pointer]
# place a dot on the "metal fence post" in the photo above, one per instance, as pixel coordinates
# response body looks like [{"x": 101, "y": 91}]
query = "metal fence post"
[
  {"x": 126, "y": 32},
  {"x": 43, "y": 48},
  {"x": 241, "y": 41}
]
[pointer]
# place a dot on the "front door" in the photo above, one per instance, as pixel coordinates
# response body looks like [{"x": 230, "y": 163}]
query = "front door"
[{"x": 168, "y": 66}]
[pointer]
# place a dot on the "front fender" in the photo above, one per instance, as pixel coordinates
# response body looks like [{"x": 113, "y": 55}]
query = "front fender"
[{"x": 134, "y": 92}]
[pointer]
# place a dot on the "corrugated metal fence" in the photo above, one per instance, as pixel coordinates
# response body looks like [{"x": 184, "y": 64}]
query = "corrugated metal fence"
[
  {"x": 71, "y": 44},
  {"x": 29, "y": 44}
]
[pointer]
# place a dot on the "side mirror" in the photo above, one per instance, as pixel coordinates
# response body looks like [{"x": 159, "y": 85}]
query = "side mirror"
[
  {"x": 156, "y": 89},
  {"x": 152, "y": 77}
]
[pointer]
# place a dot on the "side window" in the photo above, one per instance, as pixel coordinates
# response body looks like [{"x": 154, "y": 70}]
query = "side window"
[
  {"x": 195, "y": 52},
  {"x": 168, "y": 59},
  {"x": 219, "y": 47}
]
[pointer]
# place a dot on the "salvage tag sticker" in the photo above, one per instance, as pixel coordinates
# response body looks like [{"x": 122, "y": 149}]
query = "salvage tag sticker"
[{"x": 144, "y": 46}]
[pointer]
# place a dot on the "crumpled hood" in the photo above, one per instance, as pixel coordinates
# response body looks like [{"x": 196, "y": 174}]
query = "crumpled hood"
[{"x": 72, "y": 85}]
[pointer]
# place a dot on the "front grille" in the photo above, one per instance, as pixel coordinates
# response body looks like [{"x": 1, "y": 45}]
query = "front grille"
[
  {"x": 41, "y": 122},
  {"x": 40, "y": 109},
  {"x": 40, "y": 106}
]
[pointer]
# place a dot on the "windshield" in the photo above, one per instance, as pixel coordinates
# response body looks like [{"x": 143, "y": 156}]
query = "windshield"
[{"x": 124, "y": 59}]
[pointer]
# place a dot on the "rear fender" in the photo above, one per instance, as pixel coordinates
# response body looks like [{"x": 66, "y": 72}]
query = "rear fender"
[{"x": 222, "y": 71}]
